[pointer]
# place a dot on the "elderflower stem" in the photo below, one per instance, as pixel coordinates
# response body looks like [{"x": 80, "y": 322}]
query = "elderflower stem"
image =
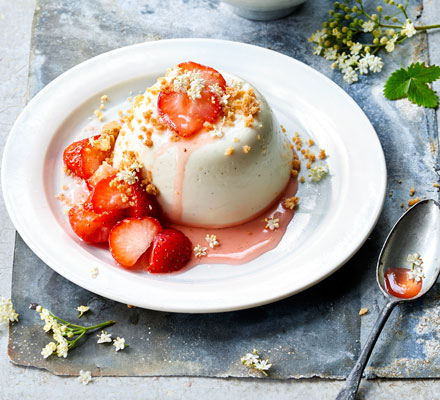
[
  {"x": 99, "y": 326},
  {"x": 426, "y": 27}
]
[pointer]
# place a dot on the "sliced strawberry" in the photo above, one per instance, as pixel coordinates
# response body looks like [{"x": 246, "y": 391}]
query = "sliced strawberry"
[
  {"x": 106, "y": 197},
  {"x": 210, "y": 75},
  {"x": 145, "y": 205},
  {"x": 170, "y": 251},
  {"x": 131, "y": 238},
  {"x": 105, "y": 170},
  {"x": 187, "y": 116},
  {"x": 83, "y": 159},
  {"x": 91, "y": 226}
]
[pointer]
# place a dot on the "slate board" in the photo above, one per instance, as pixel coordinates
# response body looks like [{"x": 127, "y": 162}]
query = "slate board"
[{"x": 317, "y": 333}]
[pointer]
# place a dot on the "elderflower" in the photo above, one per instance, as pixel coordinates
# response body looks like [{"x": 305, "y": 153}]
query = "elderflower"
[
  {"x": 272, "y": 223},
  {"x": 415, "y": 259},
  {"x": 363, "y": 66},
  {"x": 200, "y": 251},
  {"x": 376, "y": 64},
  {"x": 318, "y": 172},
  {"x": 62, "y": 348},
  {"x": 94, "y": 272},
  {"x": 85, "y": 377},
  {"x": 128, "y": 176},
  {"x": 7, "y": 312},
  {"x": 212, "y": 240},
  {"x": 368, "y": 26},
  {"x": 119, "y": 343},
  {"x": 416, "y": 274},
  {"x": 82, "y": 310},
  {"x": 48, "y": 349},
  {"x": 350, "y": 75},
  {"x": 330, "y": 54},
  {"x": 104, "y": 337},
  {"x": 253, "y": 360},
  {"x": 317, "y": 50},
  {"x": 356, "y": 48},
  {"x": 408, "y": 29},
  {"x": 391, "y": 44}
]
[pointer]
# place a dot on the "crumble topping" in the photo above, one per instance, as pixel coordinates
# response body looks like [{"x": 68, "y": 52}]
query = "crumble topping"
[
  {"x": 246, "y": 149},
  {"x": 412, "y": 191},
  {"x": 363, "y": 311},
  {"x": 229, "y": 151},
  {"x": 414, "y": 201},
  {"x": 291, "y": 202}
]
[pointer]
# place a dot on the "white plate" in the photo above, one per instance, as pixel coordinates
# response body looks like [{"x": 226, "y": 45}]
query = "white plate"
[{"x": 334, "y": 218}]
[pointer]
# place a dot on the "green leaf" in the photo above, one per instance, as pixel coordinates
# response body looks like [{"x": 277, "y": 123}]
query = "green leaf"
[{"x": 412, "y": 83}]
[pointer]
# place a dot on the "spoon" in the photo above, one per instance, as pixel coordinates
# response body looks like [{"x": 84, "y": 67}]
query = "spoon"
[{"x": 417, "y": 231}]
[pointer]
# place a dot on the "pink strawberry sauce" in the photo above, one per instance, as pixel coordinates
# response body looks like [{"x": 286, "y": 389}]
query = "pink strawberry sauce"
[{"x": 242, "y": 243}]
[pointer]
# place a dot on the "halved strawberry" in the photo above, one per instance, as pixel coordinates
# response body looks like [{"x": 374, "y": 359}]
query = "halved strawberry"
[
  {"x": 131, "y": 237},
  {"x": 91, "y": 226},
  {"x": 210, "y": 75},
  {"x": 185, "y": 115},
  {"x": 144, "y": 204},
  {"x": 83, "y": 159},
  {"x": 170, "y": 251},
  {"x": 105, "y": 170},
  {"x": 106, "y": 197}
]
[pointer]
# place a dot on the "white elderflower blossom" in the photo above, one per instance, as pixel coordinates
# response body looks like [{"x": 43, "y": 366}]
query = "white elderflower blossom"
[
  {"x": 318, "y": 172},
  {"x": 200, "y": 251},
  {"x": 318, "y": 37},
  {"x": 104, "y": 337},
  {"x": 128, "y": 176},
  {"x": 408, "y": 29},
  {"x": 416, "y": 274},
  {"x": 376, "y": 65},
  {"x": 119, "y": 343},
  {"x": 253, "y": 360},
  {"x": 85, "y": 377},
  {"x": 390, "y": 46},
  {"x": 7, "y": 312},
  {"x": 368, "y": 26},
  {"x": 48, "y": 349},
  {"x": 272, "y": 223},
  {"x": 216, "y": 89},
  {"x": 356, "y": 48},
  {"x": 82, "y": 310},
  {"x": 415, "y": 259},
  {"x": 350, "y": 75},
  {"x": 94, "y": 272},
  {"x": 363, "y": 66},
  {"x": 212, "y": 240},
  {"x": 196, "y": 86},
  {"x": 330, "y": 54},
  {"x": 317, "y": 50},
  {"x": 62, "y": 348}
]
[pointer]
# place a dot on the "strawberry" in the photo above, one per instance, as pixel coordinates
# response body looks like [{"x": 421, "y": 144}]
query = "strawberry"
[
  {"x": 210, "y": 75},
  {"x": 107, "y": 198},
  {"x": 131, "y": 237},
  {"x": 91, "y": 226},
  {"x": 105, "y": 170},
  {"x": 83, "y": 159},
  {"x": 145, "y": 205},
  {"x": 170, "y": 251},
  {"x": 185, "y": 115}
]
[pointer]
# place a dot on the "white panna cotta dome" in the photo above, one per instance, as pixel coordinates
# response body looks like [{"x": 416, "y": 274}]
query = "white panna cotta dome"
[{"x": 223, "y": 175}]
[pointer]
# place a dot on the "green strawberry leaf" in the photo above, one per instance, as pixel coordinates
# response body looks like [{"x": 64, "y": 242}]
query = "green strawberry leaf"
[{"x": 412, "y": 83}]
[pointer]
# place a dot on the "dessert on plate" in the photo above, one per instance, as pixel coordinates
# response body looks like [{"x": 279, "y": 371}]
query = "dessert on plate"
[{"x": 198, "y": 168}]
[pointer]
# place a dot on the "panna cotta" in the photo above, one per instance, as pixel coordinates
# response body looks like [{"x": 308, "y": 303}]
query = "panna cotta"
[{"x": 232, "y": 169}]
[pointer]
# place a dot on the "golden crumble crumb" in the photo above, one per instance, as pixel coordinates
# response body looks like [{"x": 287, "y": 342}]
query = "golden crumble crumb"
[
  {"x": 101, "y": 106},
  {"x": 104, "y": 97},
  {"x": 436, "y": 185},
  {"x": 246, "y": 149},
  {"x": 311, "y": 142},
  {"x": 294, "y": 173},
  {"x": 111, "y": 128},
  {"x": 101, "y": 119},
  {"x": 120, "y": 112},
  {"x": 236, "y": 139},
  {"x": 412, "y": 191},
  {"x": 283, "y": 129},
  {"x": 152, "y": 189},
  {"x": 322, "y": 154},
  {"x": 129, "y": 99},
  {"x": 229, "y": 151},
  {"x": 64, "y": 187},
  {"x": 302, "y": 179},
  {"x": 411, "y": 202},
  {"x": 303, "y": 151},
  {"x": 97, "y": 113},
  {"x": 363, "y": 311},
  {"x": 130, "y": 306},
  {"x": 402, "y": 205},
  {"x": 296, "y": 164},
  {"x": 291, "y": 202},
  {"x": 309, "y": 164}
]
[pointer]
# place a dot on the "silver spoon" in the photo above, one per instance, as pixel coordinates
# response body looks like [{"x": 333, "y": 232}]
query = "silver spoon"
[{"x": 418, "y": 230}]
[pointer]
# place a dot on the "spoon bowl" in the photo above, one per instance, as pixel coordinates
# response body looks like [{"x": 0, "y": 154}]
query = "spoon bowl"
[{"x": 417, "y": 231}]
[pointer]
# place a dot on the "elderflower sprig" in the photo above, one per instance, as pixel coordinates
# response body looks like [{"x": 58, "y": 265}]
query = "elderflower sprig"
[
  {"x": 7, "y": 312},
  {"x": 65, "y": 334},
  {"x": 416, "y": 272},
  {"x": 253, "y": 361},
  {"x": 351, "y": 37}
]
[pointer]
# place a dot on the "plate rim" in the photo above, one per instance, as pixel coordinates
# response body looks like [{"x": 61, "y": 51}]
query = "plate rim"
[{"x": 243, "y": 305}]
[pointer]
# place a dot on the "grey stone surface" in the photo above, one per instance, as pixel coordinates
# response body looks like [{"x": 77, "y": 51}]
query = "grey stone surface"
[{"x": 30, "y": 383}]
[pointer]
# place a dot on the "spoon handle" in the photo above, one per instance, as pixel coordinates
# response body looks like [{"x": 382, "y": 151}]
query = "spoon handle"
[{"x": 349, "y": 390}]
